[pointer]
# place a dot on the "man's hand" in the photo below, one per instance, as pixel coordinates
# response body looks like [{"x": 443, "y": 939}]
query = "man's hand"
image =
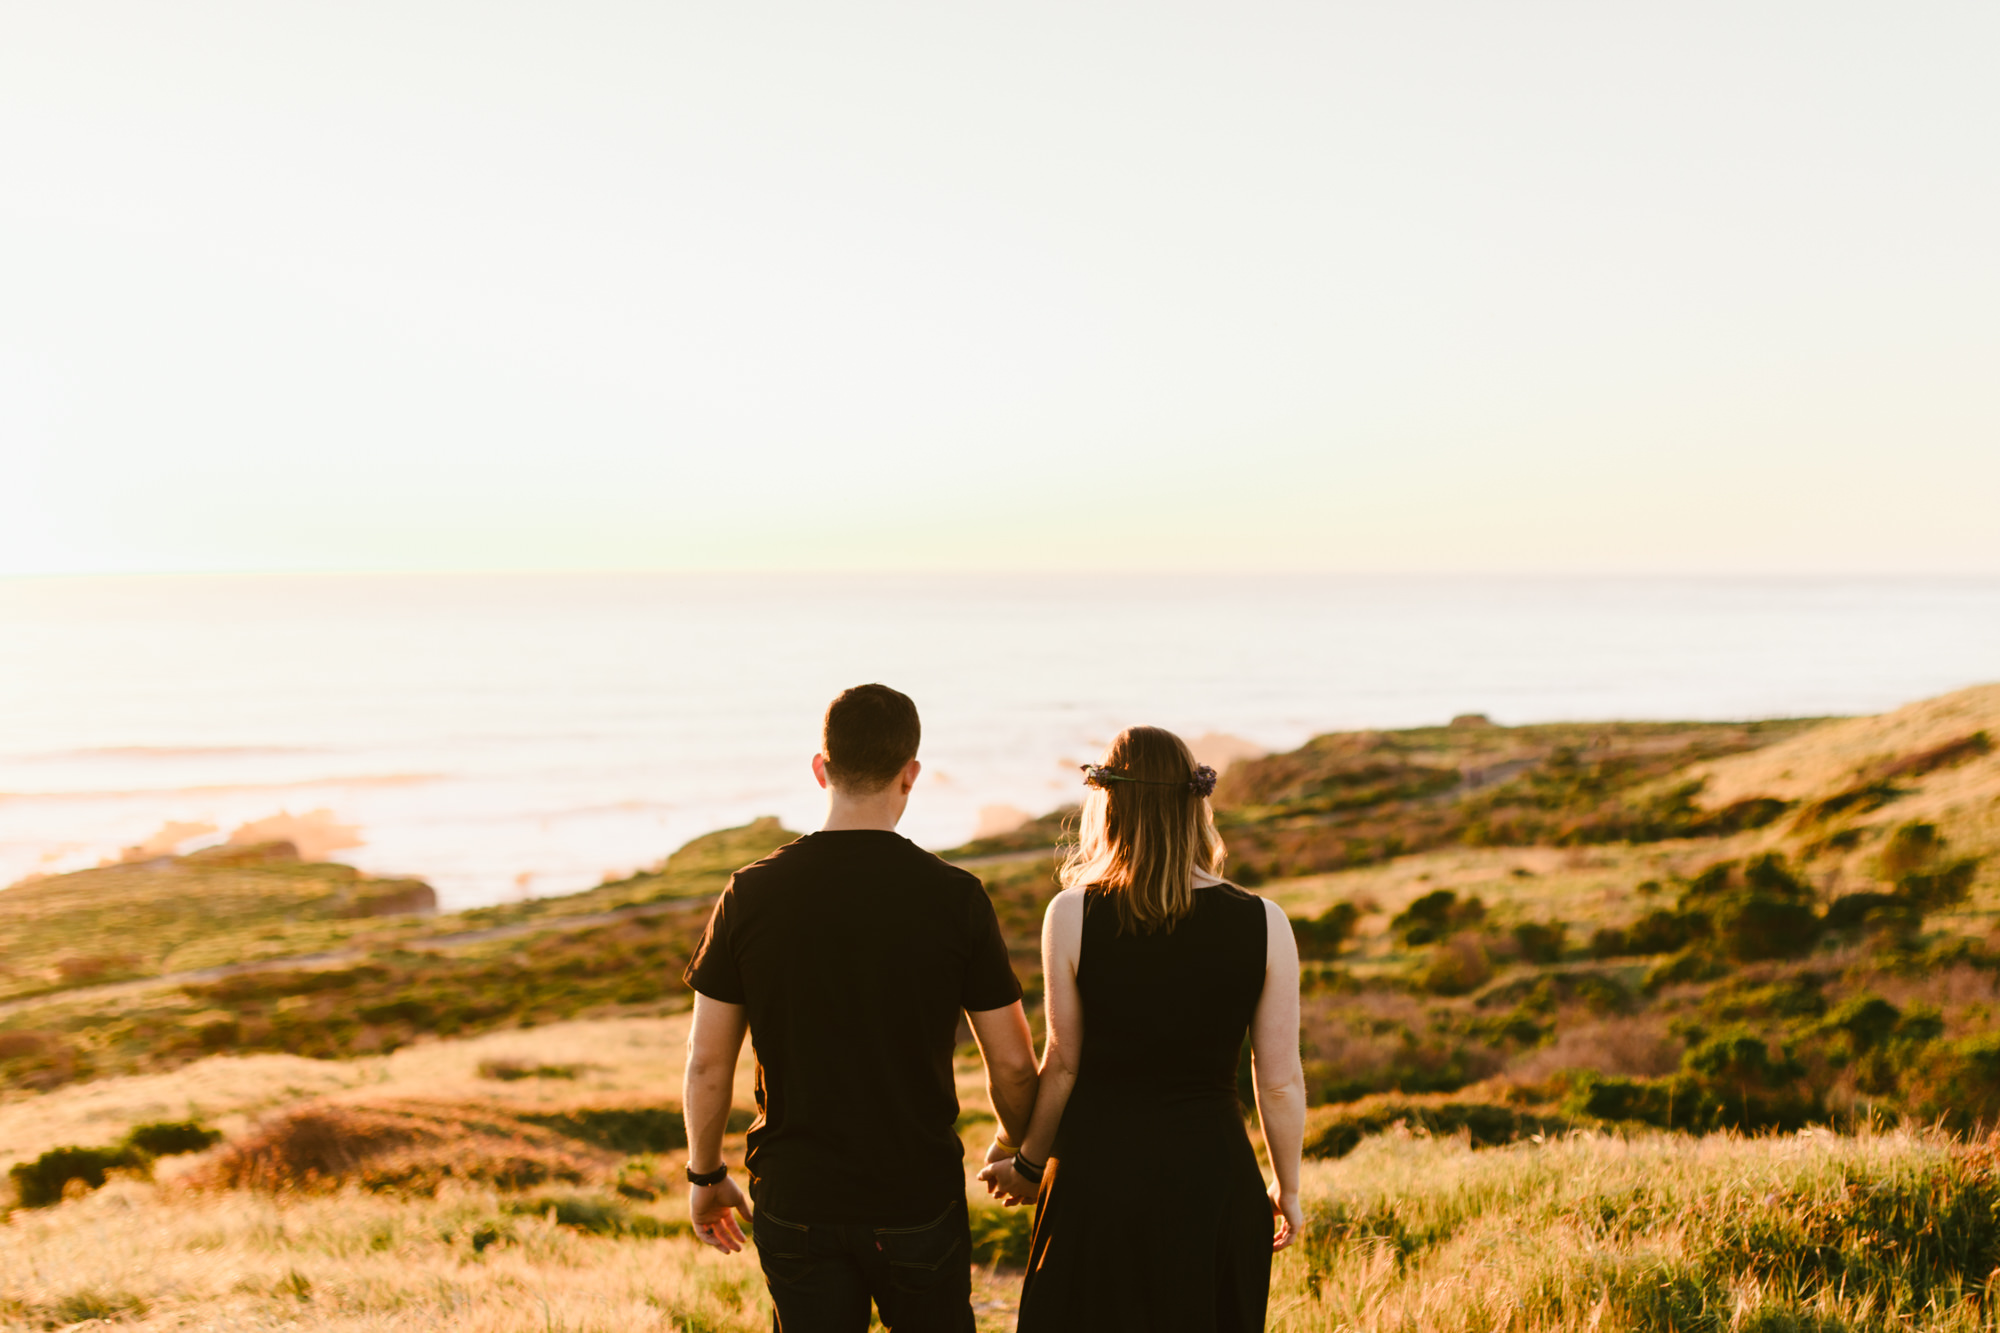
[
  {"x": 713, "y": 1209},
  {"x": 1008, "y": 1185},
  {"x": 999, "y": 1152}
]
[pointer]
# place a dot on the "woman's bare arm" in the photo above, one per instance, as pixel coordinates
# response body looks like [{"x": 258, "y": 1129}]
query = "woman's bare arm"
[
  {"x": 1062, "y": 1047},
  {"x": 1281, "y": 1080}
]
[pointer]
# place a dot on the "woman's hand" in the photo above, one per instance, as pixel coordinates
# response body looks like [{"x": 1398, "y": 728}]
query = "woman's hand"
[
  {"x": 1007, "y": 1184},
  {"x": 1288, "y": 1218}
]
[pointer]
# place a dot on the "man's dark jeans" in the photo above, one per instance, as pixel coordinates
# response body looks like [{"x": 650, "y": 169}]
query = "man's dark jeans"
[{"x": 822, "y": 1276}]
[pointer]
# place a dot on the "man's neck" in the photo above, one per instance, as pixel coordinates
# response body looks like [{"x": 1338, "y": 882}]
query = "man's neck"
[{"x": 877, "y": 810}]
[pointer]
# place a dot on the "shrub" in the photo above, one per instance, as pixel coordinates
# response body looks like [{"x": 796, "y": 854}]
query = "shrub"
[
  {"x": 1761, "y": 910},
  {"x": 1857, "y": 800},
  {"x": 1647, "y": 1101},
  {"x": 91, "y": 1305},
  {"x": 1540, "y": 941},
  {"x": 1940, "y": 889},
  {"x": 1434, "y": 916},
  {"x": 1866, "y": 1021},
  {"x": 1890, "y": 913},
  {"x": 1960, "y": 1086},
  {"x": 1658, "y": 931},
  {"x": 1910, "y": 847},
  {"x": 1763, "y": 926},
  {"x": 1745, "y": 1085},
  {"x": 1335, "y": 1131},
  {"x": 399, "y": 1148},
  {"x": 1323, "y": 936},
  {"x": 510, "y": 1071},
  {"x": 1457, "y": 967},
  {"x": 39, "y": 1183},
  {"x": 625, "y": 1129},
  {"x": 165, "y": 1138},
  {"x": 1692, "y": 964}
]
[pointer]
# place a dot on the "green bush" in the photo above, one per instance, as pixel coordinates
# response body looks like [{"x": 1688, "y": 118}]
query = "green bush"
[
  {"x": 165, "y": 1138},
  {"x": 1658, "y": 931},
  {"x": 1760, "y": 926},
  {"x": 40, "y": 1183},
  {"x": 1322, "y": 936},
  {"x": 1459, "y": 966},
  {"x": 1889, "y": 913},
  {"x": 1960, "y": 1085},
  {"x": 1335, "y": 1131},
  {"x": 1692, "y": 964},
  {"x": 1434, "y": 916},
  {"x": 591, "y": 1214},
  {"x": 1540, "y": 941},
  {"x": 626, "y": 1129}
]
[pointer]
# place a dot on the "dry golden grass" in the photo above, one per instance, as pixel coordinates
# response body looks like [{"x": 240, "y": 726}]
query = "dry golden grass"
[
  {"x": 1828, "y": 757},
  {"x": 155, "y": 1258},
  {"x": 182, "y": 1252},
  {"x": 1962, "y": 798},
  {"x": 1414, "y": 1234},
  {"x": 616, "y": 1060},
  {"x": 398, "y": 1147}
]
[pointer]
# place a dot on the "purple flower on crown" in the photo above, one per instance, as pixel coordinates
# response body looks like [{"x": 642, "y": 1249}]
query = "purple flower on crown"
[{"x": 1203, "y": 781}]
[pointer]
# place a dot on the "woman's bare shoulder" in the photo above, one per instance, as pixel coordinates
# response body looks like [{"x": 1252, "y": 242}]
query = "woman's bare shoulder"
[{"x": 1067, "y": 905}]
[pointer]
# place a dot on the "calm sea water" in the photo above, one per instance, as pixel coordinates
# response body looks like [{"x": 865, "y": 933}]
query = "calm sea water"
[{"x": 514, "y": 735}]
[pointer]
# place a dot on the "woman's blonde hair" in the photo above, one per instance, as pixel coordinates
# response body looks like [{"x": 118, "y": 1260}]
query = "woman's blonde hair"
[{"x": 1144, "y": 830}]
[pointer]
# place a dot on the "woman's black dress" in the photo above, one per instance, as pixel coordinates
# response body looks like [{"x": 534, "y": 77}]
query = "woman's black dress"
[{"x": 1153, "y": 1216}]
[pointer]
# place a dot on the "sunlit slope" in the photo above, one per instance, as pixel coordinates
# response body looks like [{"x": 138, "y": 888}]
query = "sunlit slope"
[
  {"x": 1848, "y": 781},
  {"x": 172, "y": 913},
  {"x": 329, "y": 988}
]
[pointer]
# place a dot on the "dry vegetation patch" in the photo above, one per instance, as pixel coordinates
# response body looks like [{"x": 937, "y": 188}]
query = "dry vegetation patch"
[{"x": 399, "y": 1147}]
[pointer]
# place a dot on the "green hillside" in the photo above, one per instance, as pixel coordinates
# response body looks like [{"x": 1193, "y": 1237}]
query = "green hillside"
[
  {"x": 363, "y": 986},
  {"x": 1691, "y": 925}
]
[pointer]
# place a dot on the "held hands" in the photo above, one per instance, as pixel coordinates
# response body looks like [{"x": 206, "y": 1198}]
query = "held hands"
[
  {"x": 1289, "y": 1218},
  {"x": 1002, "y": 1181},
  {"x": 714, "y": 1209}
]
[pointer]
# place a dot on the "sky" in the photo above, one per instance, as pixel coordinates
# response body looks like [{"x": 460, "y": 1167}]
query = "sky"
[{"x": 1424, "y": 286}]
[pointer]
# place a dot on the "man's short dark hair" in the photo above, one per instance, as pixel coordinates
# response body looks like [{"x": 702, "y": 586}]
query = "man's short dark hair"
[{"x": 871, "y": 732}]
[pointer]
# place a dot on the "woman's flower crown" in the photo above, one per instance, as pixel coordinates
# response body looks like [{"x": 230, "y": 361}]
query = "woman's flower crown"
[{"x": 1201, "y": 784}]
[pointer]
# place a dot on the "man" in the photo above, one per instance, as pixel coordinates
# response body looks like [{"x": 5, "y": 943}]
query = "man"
[{"x": 848, "y": 955}]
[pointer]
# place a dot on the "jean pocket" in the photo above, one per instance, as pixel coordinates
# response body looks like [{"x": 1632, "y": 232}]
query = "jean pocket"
[
  {"x": 918, "y": 1257},
  {"x": 776, "y": 1238}
]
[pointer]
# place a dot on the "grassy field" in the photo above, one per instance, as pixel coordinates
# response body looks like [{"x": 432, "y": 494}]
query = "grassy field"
[
  {"x": 1606, "y": 1026},
  {"x": 1660, "y": 1233},
  {"x": 417, "y": 1231}
]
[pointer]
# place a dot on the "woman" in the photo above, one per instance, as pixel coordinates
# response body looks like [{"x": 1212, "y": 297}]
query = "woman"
[{"x": 1152, "y": 1211}]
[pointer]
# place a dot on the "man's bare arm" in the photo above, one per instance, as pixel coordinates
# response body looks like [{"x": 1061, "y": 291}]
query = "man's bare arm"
[
  {"x": 1008, "y": 1048},
  {"x": 715, "y": 1039}
]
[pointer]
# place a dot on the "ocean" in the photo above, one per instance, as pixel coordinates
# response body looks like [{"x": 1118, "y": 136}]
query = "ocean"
[{"x": 516, "y": 735}]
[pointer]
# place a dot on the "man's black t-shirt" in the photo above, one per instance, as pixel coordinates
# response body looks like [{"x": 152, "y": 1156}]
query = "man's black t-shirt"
[{"x": 854, "y": 952}]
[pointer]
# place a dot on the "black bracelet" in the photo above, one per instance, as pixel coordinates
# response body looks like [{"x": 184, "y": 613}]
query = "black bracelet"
[
  {"x": 715, "y": 1177},
  {"x": 1027, "y": 1169}
]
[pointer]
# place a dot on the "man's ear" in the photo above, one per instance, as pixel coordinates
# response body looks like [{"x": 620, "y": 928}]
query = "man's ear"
[
  {"x": 909, "y": 776},
  {"x": 819, "y": 769}
]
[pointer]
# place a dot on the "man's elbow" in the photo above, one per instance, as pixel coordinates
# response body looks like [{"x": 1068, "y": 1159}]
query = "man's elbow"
[
  {"x": 1016, "y": 1072},
  {"x": 703, "y": 1072}
]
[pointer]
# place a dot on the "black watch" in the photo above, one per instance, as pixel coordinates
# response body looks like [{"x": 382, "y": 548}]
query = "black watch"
[{"x": 715, "y": 1177}]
